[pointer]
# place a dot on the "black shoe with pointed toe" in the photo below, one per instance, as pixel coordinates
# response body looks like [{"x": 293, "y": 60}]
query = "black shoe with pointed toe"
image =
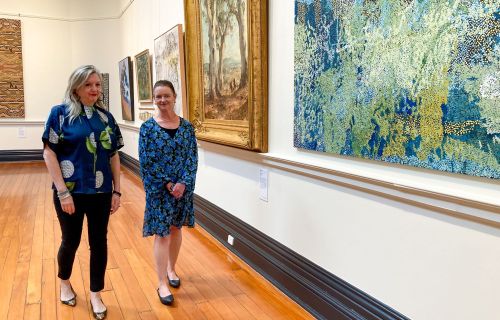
[
  {"x": 168, "y": 300},
  {"x": 174, "y": 283},
  {"x": 70, "y": 302},
  {"x": 98, "y": 315}
]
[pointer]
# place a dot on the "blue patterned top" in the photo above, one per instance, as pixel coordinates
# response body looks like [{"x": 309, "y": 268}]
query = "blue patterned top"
[
  {"x": 166, "y": 159},
  {"x": 84, "y": 147}
]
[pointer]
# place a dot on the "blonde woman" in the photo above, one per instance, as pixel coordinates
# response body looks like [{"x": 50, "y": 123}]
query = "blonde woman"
[{"x": 81, "y": 140}]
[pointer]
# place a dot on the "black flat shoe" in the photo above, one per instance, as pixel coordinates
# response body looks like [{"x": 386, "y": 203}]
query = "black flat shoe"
[
  {"x": 98, "y": 315},
  {"x": 71, "y": 302},
  {"x": 168, "y": 300},
  {"x": 174, "y": 283}
]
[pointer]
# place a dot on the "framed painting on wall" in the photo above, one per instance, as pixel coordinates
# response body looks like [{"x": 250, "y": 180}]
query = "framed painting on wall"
[
  {"x": 420, "y": 89},
  {"x": 143, "y": 75},
  {"x": 144, "y": 115},
  {"x": 105, "y": 90},
  {"x": 126, "y": 89},
  {"x": 11, "y": 70},
  {"x": 227, "y": 71},
  {"x": 169, "y": 64}
]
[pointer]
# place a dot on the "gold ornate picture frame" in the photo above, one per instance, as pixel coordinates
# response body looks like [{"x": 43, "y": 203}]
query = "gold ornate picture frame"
[{"x": 228, "y": 101}]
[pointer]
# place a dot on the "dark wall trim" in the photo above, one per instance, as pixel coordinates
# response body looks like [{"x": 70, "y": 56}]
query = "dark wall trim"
[
  {"x": 129, "y": 162},
  {"x": 321, "y": 293},
  {"x": 21, "y": 155}
]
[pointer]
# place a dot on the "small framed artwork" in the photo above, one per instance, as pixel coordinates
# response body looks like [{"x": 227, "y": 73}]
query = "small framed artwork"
[
  {"x": 144, "y": 115},
  {"x": 126, "y": 89},
  {"x": 105, "y": 90},
  {"x": 143, "y": 76},
  {"x": 226, "y": 49},
  {"x": 169, "y": 65}
]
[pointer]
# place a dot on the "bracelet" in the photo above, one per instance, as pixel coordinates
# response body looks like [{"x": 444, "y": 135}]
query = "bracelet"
[
  {"x": 117, "y": 193},
  {"x": 67, "y": 195},
  {"x": 63, "y": 194}
]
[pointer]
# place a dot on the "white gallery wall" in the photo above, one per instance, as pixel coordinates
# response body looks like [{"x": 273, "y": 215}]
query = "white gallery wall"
[
  {"x": 54, "y": 44},
  {"x": 393, "y": 244},
  {"x": 144, "y": 21}
]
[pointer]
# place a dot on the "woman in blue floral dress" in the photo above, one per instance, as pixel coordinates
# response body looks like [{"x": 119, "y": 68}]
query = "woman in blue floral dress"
[{"x": 168, "y": 156}]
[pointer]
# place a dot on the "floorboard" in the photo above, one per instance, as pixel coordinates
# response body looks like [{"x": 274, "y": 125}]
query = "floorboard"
[{"x": 215, "y": 283}]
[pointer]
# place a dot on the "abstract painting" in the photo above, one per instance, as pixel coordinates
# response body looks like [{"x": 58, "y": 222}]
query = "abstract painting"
[
  {"x": 227, "y": 71},
  {"x": 408, "y": 82},
  {"x": 143, "y": 75},
  {"x": 126, "y": 89},
  {"x": 169, "y": 64},
  {"x": 105, "y": 90},
  {"x": 11, "y": 70}
]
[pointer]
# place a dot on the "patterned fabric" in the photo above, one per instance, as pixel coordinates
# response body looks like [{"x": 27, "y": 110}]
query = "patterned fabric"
[
  {"x": 164, "y": 159},
  {"x": 11, "y": 66},
  {"x": 84, "y": 147}
]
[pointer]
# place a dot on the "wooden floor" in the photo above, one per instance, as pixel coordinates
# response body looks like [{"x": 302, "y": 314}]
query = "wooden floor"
[{"x": 215, "y": 283}]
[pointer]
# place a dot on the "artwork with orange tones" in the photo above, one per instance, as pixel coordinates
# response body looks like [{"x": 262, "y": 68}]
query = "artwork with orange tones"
[{"x": 11, "y": 70}]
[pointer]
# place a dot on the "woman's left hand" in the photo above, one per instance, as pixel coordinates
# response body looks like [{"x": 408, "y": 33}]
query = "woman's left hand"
[
  {"x": 178, "y": 190},
  {"x": 115, "y": 203}
]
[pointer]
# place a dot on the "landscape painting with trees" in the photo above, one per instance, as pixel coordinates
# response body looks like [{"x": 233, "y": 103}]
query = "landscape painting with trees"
[
  {"x": 225, "y": 66},
  {"x": 143, "y": 75}
]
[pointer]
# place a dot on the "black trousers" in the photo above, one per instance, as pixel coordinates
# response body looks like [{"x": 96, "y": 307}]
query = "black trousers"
[{"x": 97, "y": 209}]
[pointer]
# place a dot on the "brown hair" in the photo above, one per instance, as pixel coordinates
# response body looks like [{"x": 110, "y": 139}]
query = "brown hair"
[{"x": 164, "y": 83}]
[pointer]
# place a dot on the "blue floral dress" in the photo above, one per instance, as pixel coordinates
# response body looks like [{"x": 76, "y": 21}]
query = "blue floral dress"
[
  {"x": 166, "y": 159},
  {"x": 83, "y": 147}
]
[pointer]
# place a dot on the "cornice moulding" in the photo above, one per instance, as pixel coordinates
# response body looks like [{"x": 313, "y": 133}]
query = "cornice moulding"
[{"x": 65, "y": 19}]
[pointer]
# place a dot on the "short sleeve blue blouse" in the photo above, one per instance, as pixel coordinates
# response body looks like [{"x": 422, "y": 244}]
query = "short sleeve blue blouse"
[{"x": 84, "y": 147}]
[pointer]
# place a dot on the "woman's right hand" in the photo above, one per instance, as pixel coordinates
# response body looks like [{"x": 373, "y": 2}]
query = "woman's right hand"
[{"x": 67, "y": 205}]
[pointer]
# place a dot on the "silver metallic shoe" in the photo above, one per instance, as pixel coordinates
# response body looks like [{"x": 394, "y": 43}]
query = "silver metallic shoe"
[
  {"x": 98, "y": 315},
  {"x": 70, "y": 302}
]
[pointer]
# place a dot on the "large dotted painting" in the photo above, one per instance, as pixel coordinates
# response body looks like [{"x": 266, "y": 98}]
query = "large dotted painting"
[{"x": 402, "y": 81}]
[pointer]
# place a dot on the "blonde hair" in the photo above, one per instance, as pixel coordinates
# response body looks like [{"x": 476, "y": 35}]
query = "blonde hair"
[{"x": 76, "y": 80}]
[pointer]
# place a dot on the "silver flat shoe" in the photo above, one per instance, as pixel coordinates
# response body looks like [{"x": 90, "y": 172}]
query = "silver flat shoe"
[
  {"x": 70, "y": 302},
  {"x": 98, "y": 315}
]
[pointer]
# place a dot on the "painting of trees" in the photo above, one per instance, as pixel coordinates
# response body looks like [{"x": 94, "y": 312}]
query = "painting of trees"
[
  {"x": 237, "y": 9},
  {"x": 225, "y": 66},
  {"x": 169, "y": 64},
  {"x": 227, "y": 71}
]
